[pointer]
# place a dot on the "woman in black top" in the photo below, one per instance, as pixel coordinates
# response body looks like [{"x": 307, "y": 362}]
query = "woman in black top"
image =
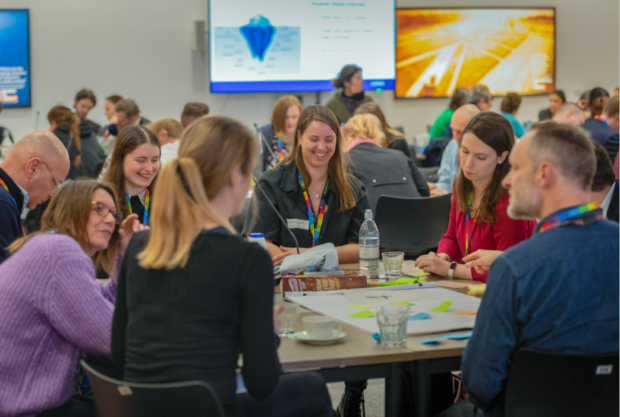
[
  {"x": 556, "y": 99},
  {"x": 280, "y": 132},
  {"x": 188, "y": 307},
  {"x": 311, "y": 180},
  {"x": 133, "y": 169}
]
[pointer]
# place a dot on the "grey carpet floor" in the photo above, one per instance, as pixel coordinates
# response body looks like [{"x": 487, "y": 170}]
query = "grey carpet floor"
[{"x": 374, "y": 396}]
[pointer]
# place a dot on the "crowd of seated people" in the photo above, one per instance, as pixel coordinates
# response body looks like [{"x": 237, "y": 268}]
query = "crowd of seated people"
[{"x": 140, "y": 202}]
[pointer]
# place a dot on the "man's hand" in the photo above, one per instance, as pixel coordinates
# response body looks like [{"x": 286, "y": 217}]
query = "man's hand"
[{"x": 438, "y": 191}]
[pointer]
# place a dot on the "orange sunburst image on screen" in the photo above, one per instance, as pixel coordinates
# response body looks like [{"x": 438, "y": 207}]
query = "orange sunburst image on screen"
[{"x": 507, "y": 50}]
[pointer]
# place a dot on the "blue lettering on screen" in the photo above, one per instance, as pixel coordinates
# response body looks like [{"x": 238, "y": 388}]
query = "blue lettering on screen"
[{"x": 14, "y": 58}]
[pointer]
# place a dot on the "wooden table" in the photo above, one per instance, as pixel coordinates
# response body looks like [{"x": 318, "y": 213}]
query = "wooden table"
[{"x": 359, "y": 357}]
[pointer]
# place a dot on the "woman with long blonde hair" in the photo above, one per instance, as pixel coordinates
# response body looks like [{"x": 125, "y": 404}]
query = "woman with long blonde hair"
[
  {"x": 193, "y": 295},
  {"x": 313, "y": 191}
]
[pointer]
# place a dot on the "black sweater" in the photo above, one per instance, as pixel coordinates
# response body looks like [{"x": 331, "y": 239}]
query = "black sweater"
[{"x": 192, "y": 323}]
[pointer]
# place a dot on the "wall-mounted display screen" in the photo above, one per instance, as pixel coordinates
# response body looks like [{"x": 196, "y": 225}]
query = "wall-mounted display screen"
[
  {"x": 299, "y": 45},
  {"x": 506, "y": 49},
  {"x": 14, "y": 58}
]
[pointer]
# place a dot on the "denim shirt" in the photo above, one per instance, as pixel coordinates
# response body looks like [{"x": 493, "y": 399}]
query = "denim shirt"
[
  {"x": 556, "y": 292},
  {"x": 448, "y": 167}
]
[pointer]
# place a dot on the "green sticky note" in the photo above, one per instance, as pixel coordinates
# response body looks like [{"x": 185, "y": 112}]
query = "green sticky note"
[
  {"x": 388, "y": 284},
  {"x": 405, "y": 281},
  {"x": 402, "y": 303},
  {"x": 421, "y": 274},
  {"x": 364, "y": 314},
  {"x": 443, "y": 307},
  {"x": 359, "y": 306}
]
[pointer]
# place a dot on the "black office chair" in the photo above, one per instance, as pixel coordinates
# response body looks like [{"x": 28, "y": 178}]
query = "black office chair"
[
  {"x": 549, "y": 385},
  {"x": 114, "y": 398},
  {"x": 412, "y": 225}
]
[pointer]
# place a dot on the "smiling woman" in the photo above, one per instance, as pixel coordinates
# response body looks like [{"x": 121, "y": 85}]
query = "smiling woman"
[{"x": 133, "y": 169}]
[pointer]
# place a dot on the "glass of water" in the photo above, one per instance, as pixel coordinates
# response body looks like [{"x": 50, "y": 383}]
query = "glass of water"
[
  {"x": 393, "y": 263},
  {"x": 288, "y": 319},
  {"x": 392, "y": 322}
]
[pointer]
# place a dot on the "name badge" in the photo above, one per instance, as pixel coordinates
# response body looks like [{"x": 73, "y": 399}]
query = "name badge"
[{"x": 298, "y": 224}]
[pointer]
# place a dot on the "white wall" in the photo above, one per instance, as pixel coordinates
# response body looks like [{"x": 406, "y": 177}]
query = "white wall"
[{"x": 142, "y": 49}]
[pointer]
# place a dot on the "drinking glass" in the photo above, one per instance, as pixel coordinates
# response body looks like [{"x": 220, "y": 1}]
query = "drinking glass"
[
  {"x": 288, "y": 319},
  {"x": 393, "y": 263},
  {"x": 392, "y": 322}
]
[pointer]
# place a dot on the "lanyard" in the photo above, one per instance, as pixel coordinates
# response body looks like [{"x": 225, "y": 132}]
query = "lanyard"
[
  {"x": 15, "y": 201},
  {"x": 469, "y": 234},
  {"x": 280, "y": 148},
  {"x": 319, "y": 223},
  {"x": 146, "y": 206},
  {"x": 579, "y": 216}
]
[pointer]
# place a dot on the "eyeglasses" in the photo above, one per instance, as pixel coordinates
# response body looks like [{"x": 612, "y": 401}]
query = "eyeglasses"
[
  {"x": 58, "y": 183},
  {"x": 103, "y": 211}
]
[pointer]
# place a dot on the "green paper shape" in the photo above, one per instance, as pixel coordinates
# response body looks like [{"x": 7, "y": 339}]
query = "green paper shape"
[
  {"x": 359, "y": 306},
  {"x": 388, "y": 284},
  {"x": 402, "y": 303},
  {"x": 421, "y": 274},
  {"x": 405, "y": 281},
  {"x": 442, "y": 308},
  {"x": 364, "y": 314}
]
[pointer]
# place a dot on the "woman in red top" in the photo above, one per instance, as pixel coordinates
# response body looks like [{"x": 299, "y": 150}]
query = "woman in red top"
[{"x": 478, "y": 218}]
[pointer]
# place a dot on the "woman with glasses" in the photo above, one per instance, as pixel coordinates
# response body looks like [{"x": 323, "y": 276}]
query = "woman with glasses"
[{"x": 53, "y": 309}]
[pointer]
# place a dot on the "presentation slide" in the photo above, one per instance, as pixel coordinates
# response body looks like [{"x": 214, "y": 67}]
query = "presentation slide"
[
  {"x": 14, "y": 58},
  {"x": 299, "y": 45},
  {"x": 508, "y": 50}
]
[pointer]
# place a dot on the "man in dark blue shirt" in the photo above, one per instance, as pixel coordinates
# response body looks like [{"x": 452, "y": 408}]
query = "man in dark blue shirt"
[
  {"x": 604, "y": 130},
  {"x": 557, "y": 291}
]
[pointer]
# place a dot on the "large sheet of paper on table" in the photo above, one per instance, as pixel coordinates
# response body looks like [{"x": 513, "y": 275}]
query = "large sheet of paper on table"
[{"x": 334, "y": 304}]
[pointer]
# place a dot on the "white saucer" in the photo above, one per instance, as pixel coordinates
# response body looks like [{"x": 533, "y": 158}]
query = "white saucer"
[{"x": 303, "y": 336}]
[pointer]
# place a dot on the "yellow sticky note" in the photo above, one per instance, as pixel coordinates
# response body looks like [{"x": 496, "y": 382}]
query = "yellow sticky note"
[
  {"x": 478, "y": 288},
  {"x": 402, "y": 303},
  {"x": 466, "y": 313},
  {"x": 359, "y": 306},
  {"x": 364, "y": 314},
  {"x": 442, "y": 308}
]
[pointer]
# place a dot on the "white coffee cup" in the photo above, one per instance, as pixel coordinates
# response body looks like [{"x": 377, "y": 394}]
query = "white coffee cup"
[{"x": 320, "y": 327}]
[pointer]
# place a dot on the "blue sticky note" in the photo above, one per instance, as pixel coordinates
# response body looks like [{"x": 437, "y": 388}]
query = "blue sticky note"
[
  {"x": 420, "y": 316},
  {"x": 429, "y": 341},
  {"x": 457, "y": 336},
  {"x": 376, "y": 337}
]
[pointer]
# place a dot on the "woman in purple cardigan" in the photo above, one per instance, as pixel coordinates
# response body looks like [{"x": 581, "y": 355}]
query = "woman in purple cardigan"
[{"x": 53, "y": 309}]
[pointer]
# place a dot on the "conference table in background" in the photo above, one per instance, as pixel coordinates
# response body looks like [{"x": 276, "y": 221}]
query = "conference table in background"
[{"x": 360, "y": 357}]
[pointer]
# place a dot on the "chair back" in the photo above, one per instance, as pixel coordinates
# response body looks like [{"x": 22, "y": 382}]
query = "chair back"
[
  {"x": 412, "y": 225},
  {"x": 114, "y": 398},
  {"x": 551, "y": 385}
]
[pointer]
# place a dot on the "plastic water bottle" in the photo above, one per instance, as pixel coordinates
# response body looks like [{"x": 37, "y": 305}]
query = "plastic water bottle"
[
  {"x": 259, "y": 238},
  {"x": 369, "y": 246}
]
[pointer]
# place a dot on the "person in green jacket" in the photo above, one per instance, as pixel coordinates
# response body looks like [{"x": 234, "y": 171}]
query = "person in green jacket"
[
  {"x": 459, "y": 98},
  {"x": 344, "y": 103}
]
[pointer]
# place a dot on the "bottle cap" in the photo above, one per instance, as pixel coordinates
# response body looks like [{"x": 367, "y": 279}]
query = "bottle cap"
[{"x": 368, "y": 214}]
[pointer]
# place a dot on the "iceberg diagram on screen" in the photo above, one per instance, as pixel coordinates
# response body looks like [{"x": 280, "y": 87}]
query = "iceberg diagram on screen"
[{"x": 258, "y": 34}]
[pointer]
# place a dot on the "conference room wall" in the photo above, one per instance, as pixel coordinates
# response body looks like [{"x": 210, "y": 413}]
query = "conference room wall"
[{"x": 142, "y": 50}]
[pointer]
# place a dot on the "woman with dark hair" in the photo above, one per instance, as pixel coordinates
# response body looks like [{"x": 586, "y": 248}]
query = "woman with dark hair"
[
  {"x": 53, "y": 309},
  {"x": 597, "y": 98},
  {"x": 133, "y": 169},
  {"x": 313, "y": 190},
  {"x": 556, "y": 99},
  {"x": 510, "y": 107},
  {"x": 279, "y": 133},
  {"x": 393, "y": 138},
  {"x": 478, "y": 218},
  {"x": 459, "y": 98},
  {"x": 343, "y": 104}
]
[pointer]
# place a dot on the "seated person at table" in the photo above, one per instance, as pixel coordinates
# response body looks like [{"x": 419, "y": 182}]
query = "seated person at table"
[
  {"x": 605, "y": 185},
  {"x": 312, "y": 192},
  {"x": 382, "y": 171},
  {"x": 534, "y": 296},
  {"x": 478, "y": 218},
  {"x": 394, "y": 139},
  {"x": 449, "y": 161},
  {"x": 556, "y": 100},
  {"x": 510, "y": 107},
  {"x": 133, "y": 168},
  {"x": 169, "y": 132},
  {"x": 569, "y": 113},
  {"x": 459, "y": 98},
  {"x": 604, "y": 129},
  {"x": 188, "y": 307},
  {"x": 279, "y": 133},
  {"x": 53, "y": 309},
  {"x": 192, "y": 111}
]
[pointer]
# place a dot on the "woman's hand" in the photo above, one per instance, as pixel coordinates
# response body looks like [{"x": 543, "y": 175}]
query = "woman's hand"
[
  {"x": 128, "y": 227},
  {"x": 481, "y": 260},
  {"x": 434, "y": 264},
  {"x": 437, "y": 192},
  {"x": 277, "y": 310},
  {"x": 278, "y": 259}
]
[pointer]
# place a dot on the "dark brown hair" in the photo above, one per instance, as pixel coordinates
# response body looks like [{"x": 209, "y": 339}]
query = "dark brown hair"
[
  {"x": 560, "y": 94},
  {"x": 346, "y": 73},
  {"x": 86, "y": 94},
  {"x": 114, "y": 98},
  {"x": 337, "y": 169},
  {"x": 278, "y": 115},
  {"x": 511, "y": 103},
  {"x": 68, "y": 213},
  {"x": 596, "y": 98},
  {"x": 195, "y": 109},
  {"x": 63, "y": 116},
  {"x": 129, "y": 107},
  {"x": 128, "y": 139},
  {"x": 459, "y": 98},
  {"x": 604, "y": 175},
  {"x": 495, "y": 131},
  {"x": 373, "y": 108}
]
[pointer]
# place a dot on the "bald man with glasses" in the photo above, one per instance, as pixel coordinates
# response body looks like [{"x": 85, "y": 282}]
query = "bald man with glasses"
[{"x": 32, "y": 171}]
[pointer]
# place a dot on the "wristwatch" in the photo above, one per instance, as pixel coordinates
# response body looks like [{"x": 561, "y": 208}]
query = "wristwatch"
[{"x": 451, "y": 270}]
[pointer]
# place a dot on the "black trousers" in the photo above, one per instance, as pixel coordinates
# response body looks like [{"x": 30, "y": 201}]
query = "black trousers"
[
  {"x": 296, "y": 395},
  {"x": 77, "y": 406}
]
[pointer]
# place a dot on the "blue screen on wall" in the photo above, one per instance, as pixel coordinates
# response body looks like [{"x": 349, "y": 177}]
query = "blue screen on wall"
[{"x": 14, "y": 58}]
